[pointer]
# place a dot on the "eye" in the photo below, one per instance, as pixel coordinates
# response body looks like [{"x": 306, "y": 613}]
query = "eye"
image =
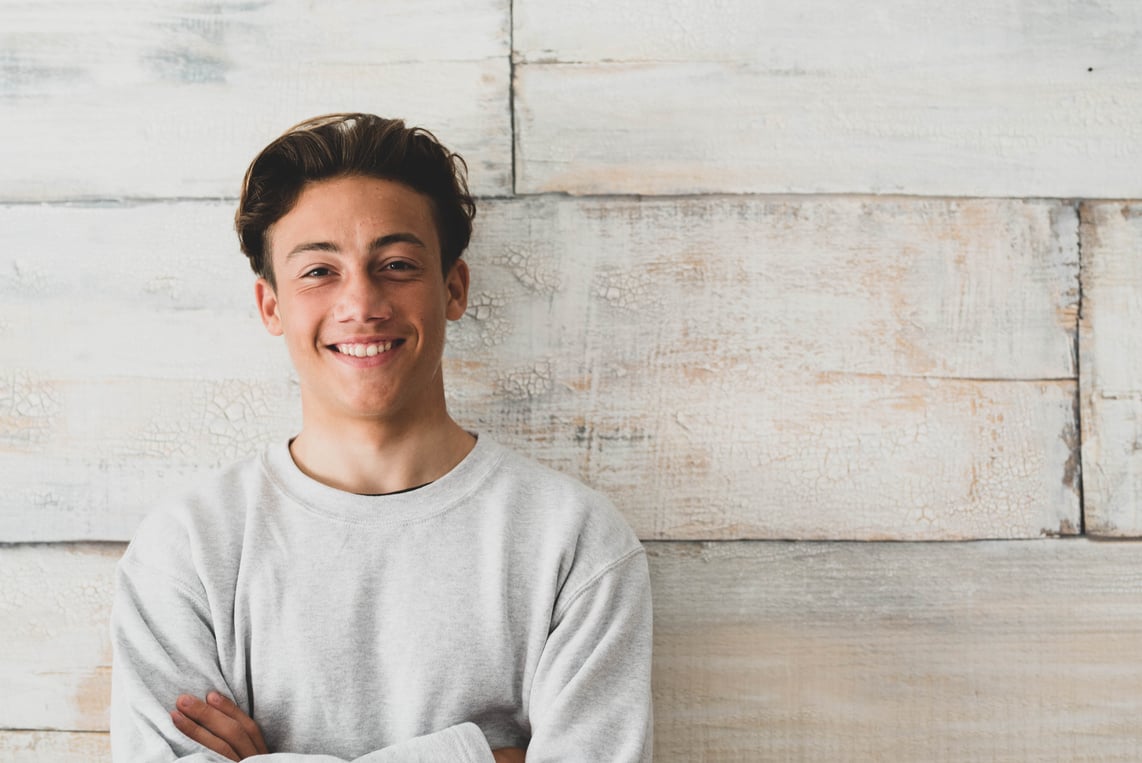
[
  {"x": 317, "y": 272},
  {"x": 400, "y": 269}
]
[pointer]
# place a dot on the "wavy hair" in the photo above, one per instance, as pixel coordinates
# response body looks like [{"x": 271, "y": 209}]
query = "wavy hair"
[{"x": 337, "y": 145}]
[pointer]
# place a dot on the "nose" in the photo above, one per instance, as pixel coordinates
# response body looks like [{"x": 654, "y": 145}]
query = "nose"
[{"x": 361, "y": 299}]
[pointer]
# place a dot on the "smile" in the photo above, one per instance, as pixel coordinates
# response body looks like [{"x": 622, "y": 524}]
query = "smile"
[{"x": 358, "y": 350}]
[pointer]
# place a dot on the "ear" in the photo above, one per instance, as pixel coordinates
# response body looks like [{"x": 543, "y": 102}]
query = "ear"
[
  {"x": 267, "y": 300},
  {"x": 457, "y": 285}
]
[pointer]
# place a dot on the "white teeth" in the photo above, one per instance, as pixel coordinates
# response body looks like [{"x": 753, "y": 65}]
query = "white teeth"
[{"x": 364, "y": 350}]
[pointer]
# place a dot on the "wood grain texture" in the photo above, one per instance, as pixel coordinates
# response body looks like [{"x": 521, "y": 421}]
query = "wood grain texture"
[
  {"x": 976, "y": 99},
  {"x": 755, "y": 368},
  {"x": 1111, "y": 371},
  {"x": 54, "y": 747},
  {"x": 159, "y": 370},
  {"x": 861, "y": 459},
  {"x": 173, "y": 99},
  {"x": 897, "y": 652},
  {"x": 812, "y": 32},
  {"x": 723, "y": 368},
  {"x": 997, "y": 651},
  {"x": 54, "y": 607},
  {"x": 919, "y": 288}
]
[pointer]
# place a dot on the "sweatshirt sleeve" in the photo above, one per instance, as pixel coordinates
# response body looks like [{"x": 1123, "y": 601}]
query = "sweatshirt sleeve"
[
  {"x": 163, "y": 645},
  {"x": 591, "y": 693},
  {"x": 463, "y": 743}
]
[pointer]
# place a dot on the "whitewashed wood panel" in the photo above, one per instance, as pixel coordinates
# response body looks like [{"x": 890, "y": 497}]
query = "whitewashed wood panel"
[
  {"x": 174, "y": 98},
  {"x": 106, "y": 290},
  {"x": 998, "y": 652},
  {"x": 1111, "y": 372},
  {"x": 779, "y": 369},
  {"x": 56, "y": 662},
  {"x": 54, "y": 747},
  {"x": 814, "y": 34},
  {"x": 1001, "y": 651},
  {"x": 966, "y": 289},
  {"x": 723, "y": 454},
  {"x": 131, "y": 361},
  {"x": 700, "y": 456},
  {"x": 729, "y": 367},
  {"x": 976, "y": 289},
  {"x": 967, "y": 99}
]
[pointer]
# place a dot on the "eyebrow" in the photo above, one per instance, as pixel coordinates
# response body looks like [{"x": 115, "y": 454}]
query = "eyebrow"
[{"x": 380, "y": 243}]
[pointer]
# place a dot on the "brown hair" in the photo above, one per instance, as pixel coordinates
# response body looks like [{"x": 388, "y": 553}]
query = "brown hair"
[{"x": 336, "y": 145}]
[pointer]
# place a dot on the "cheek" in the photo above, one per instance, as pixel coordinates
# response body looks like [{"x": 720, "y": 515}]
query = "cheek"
[
  {"x": 436, "y": 320},
  {"x": 298, "y": 325}
]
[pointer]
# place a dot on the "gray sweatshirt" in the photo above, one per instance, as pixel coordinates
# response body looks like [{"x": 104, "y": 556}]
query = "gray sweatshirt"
[{"x": 504, "y": 605}]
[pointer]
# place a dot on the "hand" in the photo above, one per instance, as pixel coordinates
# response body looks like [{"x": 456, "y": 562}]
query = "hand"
[
  {"x": 508, "y": 755},
  {"x": 219, "y": 725}
]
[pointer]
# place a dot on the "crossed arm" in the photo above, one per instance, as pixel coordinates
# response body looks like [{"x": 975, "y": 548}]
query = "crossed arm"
[
  {"x": 585, "y": 696},
  {"x": 218, "y": 724}
]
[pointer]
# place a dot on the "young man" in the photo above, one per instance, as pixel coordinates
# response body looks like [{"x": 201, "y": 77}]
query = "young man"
[{"x": 386, "y": 586}]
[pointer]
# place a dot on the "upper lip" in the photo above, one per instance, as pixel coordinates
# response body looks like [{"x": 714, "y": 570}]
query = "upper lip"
[{"x": 363, "y": 340}]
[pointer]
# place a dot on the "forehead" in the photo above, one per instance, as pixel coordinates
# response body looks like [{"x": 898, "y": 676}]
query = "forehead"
[{"x": 351, "y": 209}]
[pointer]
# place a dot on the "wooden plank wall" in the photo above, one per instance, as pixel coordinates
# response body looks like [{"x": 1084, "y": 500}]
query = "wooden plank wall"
[{"x": 775, "y": 276}]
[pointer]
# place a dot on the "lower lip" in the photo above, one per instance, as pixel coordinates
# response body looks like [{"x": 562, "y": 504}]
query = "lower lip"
[{"x": 368, "y": 362}]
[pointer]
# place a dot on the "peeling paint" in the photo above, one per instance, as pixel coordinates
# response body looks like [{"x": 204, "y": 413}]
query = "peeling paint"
[
  {"x": 628, "y": 290},
  {"x": 485, "y": 324},
  {"x": 29, "y": 411},
  {"x": 533, "y": 271},
  {"x": 527, "y": 383}
]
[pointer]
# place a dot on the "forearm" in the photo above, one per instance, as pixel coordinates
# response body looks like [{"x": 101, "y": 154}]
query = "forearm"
[{"x": 463, "y": 743}]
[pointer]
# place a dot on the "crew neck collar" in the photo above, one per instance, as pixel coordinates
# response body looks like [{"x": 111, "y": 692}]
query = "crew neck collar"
[{"x": 436, "y": 497}]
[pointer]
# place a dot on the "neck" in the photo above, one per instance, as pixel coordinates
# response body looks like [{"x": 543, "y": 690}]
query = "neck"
[{"x": 374, "y": 457}]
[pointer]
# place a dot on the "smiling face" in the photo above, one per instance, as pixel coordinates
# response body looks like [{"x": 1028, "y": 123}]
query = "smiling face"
[{"x": 361, "y": 301}]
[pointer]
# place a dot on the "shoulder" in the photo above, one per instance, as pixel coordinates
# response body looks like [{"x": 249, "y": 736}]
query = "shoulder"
[
  {"x": 556, "y": 497},
  {"x": 562, "y": 516},
  {"x": 199, "y": 526}
]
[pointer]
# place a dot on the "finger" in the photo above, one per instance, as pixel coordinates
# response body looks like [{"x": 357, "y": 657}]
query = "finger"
[
  {"x": 231, "y": 709},
  {"x": 198, "y": 734},
  {"x": 217, "y": 723}
]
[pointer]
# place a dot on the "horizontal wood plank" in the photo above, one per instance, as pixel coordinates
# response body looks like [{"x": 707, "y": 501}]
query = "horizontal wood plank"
[
  {"x": 816, "y": 34},
  {"x": 702, "y": 456},
  {"x": 1111, "y": 372},
  {"x": 965, "y": 289},
  {"x": 849, "y": 458},
  {"x": 897, "y": 652},
  {"x": 54, "y": 607},
  {"x": 975, "y": 99},
  {"x": 728, "y": 367},
  {"x": 997, "y": 651},
  {"x": 55, "y": 747},
  {"x": 139, "y": 99},
  {"x": 962, "y": 289}
]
